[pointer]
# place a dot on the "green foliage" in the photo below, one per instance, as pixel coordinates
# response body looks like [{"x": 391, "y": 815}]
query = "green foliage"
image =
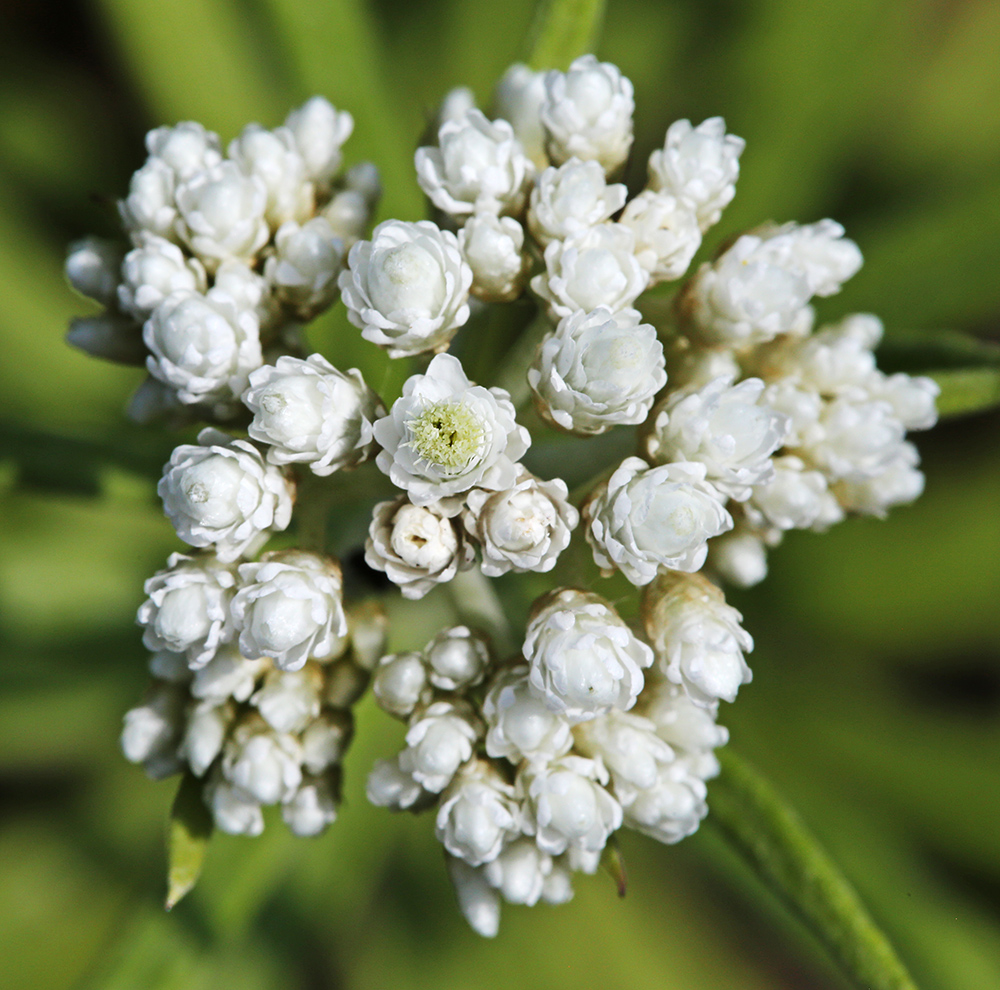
[{"x": 187, "y": 843}]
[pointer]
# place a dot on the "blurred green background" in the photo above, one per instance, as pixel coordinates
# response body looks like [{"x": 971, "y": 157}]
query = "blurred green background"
[{"x": 875, "y": 705}]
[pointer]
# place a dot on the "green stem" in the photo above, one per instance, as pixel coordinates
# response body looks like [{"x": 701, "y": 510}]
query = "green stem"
[
  {"x": 563, "y": 30},
  {"x": 479, "y": 605},
  {"x": 787, "y": 857}
]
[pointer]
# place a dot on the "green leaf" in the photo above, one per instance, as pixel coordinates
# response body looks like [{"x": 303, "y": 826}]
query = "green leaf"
[
  {"x": 913, "y": 351},
  {"x": 770, "y": 834},
  {"x": 562, "y": 31},
  {"x": 190, "y": 830},
  {"x": 967, "y": 390}
]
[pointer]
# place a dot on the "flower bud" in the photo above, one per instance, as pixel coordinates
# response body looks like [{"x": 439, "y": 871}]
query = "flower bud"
[
  {"x": 739, "y": 558},
  {"x": 627, "y": 745},
  {"x": 648, "y": 518},
  {"x": 520, "y": 725},
  {"x": 666, "y": 235},
  {"x": 400, "y": 683},
  {"x": 221, "y": 493},
  {"x": 93, "y": 268},
  {"x": 477, "y": 814},
  {"x": 152, "y": 732},
  {"x": 271, "y": 156},
  {"x": 493, "y": 248},
  {"x": 289, "y": 700},
  {"x": 290, "y": 607},
  {"x": 795, "y": 498},
  {"x": 204, "y": 734},
  {"x": 149, "y": 206},
  {"x": 311, "y": 413},
  {"x": 304, "y": 269},
  {"x": 477, "y": 900},
  {"x": 233, "y": 810},
  {"x": 228, "y": 675},
  {"x": 390, "y": 786},
  {"x": 325, "y": 740},
  {"x": 438, "y": 742},
  {"x": 584, "y": 659},
  {"x": 319, "y": 131},
  {"x": 596, "y": 370},
  {"x": 571, "y": 199},
  {"x": 407, "y": 288},
  {"x": 587, "y": 113},
  {"x": 185, "y": 148},
  {"x": 518, "y": 99},
  {"x": 262, "y": 763},
  {"x": 153, "y": 270},
  {"x": 313, "y": 808},
  {"x": 456, "y": 659},
  {"x": 519, "y": 872}
]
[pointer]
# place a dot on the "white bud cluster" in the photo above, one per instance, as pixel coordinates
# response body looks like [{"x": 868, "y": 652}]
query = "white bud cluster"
[
  {"x": 226, "y": 251},
  {"x": 254, "y": 733}
]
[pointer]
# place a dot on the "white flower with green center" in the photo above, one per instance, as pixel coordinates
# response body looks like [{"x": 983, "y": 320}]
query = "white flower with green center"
[
  {"x": 445, "y": 436},
  {"x": 407, "y": 288},
  {"x": 648, "y": 518}
]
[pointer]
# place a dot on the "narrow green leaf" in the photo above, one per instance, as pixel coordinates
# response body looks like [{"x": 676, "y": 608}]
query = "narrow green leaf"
[
  {"x": 967, "y": 390},
  {"x": 913, "y": 351},
  {"x": 190, "y": 830},
  {"x": 562, "y": 31},
  {"x": 772, "y": 837}
]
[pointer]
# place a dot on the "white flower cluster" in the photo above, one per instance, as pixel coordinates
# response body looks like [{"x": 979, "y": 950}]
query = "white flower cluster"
[
  {"x": 226, "y": 252},
  {"x": 531, "y": 763},
  {"x": 530, "y": 775},
  {"x": 252, "y": 691}
]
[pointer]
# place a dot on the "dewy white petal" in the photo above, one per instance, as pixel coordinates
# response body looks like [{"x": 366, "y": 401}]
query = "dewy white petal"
[
  {"x": 519, "y": 872},
  {"x": 698, "y": 638},
  {"x": 594, "y": 267},
  {"x": 572, "y": 198},
  {"x": 478, "y": 167},
  {"x": 699, "y": 165},
  {"x": 584, "y": 660},
  {"x": 309, "y": 412},
  {"x": 290, "y": 607},
  {"x": 444, "y": 435},
  {"x": 587, "y": 113},
  {"x": 416, "y": 546},
  {"x": 407, "y": 288},
  {"x": 596, "y": 370},
  {"x": 648, "y": 518},
  {"x": 221, "y": 493}
]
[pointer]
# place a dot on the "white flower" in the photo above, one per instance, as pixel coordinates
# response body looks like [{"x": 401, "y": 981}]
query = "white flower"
[
  {"x": 187, "y": 610},
  {"x": 519, "y": 872},
  {"x": 185, "y": 148},
  {"x": 477, "y": 900},
  {"x": 726, "y": 427},
  {"x": 152, "y": 732},
  {"x": 290, "y": 607},
  {"x": 802, "y": 407},
  {"x": 455, "y": 104},
  {"x": 93, "y": 267},
  {"x": 311, "y": 413},
  {"x": 312, "y": 809},
  {"x": 698, "y": 638},
  {"x": 693, "y": 366},
  {"x": 523, "y": 528},
  {"x": 596, "y": 370},
  {"x": 438, "y": 742},
  {"x": 567, "y": 805},
  {"x": 289, "y": 700},
  {"x": 263, "y": 764},
  {"x": 272, "y": 157},
  {"x": 319, "y": 131},
  {"x": 165, "y": 665},
  {"x": 205, "y": 732},
  {"x": 572, "y": 198},
  {"x": 690, "y": 728},
  {"x": 247, "y": 290},
  {"x": 594, "y": 267},
  {"x": 898, "y": 482},
  {"x": 228, "y": 675},
  {"x": 587, "y": 113},
  {"x": 913, "y": 399},
  {"x": 154, "y": 269},
  {"x": 698, "y": 165},
  {"x": 416, "y": 546},
  {"x": 627, "y": 745},
  {"x": 400, "y": 683},
  {"x": 478, "y": 167},
  {"x": 518, "y": 99},
  {"x": 456, "y": 659},
  {"x": 795, "y": 497},
  {"x": 818, "y": 250},
  {"x": 493, "y": 248},
  {"x": 233, "y": 810},
  {"x": 221, "y": 214},
  {"x": 444, "y": 435},
  {"x": 519, "y": 723},
  {"x": 648, "y": 518},
  {"x": 856, "y": 439},
  {"x": 325, "y": 740},
  {"x": 584, "y": 659},
  {"x": 390, "y": 786},
  {"x": 672, "y": 808},
  {"x": 666, "y": 234},
  {"x": 407, "y": 288},
  {"x": 203, "y": 346},
  {"x": 477, "y": 814},
  {"x": 221, "y": 493},
  {"x": 303, "y": 271},
  {"x": 350, "y": 210},
  {"x": 739, "y": 558},
  {"x": 149, "y": 205}
]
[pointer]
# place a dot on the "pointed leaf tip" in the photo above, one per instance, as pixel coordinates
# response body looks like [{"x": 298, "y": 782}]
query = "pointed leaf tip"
[{"x": 187, "y": 841}]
